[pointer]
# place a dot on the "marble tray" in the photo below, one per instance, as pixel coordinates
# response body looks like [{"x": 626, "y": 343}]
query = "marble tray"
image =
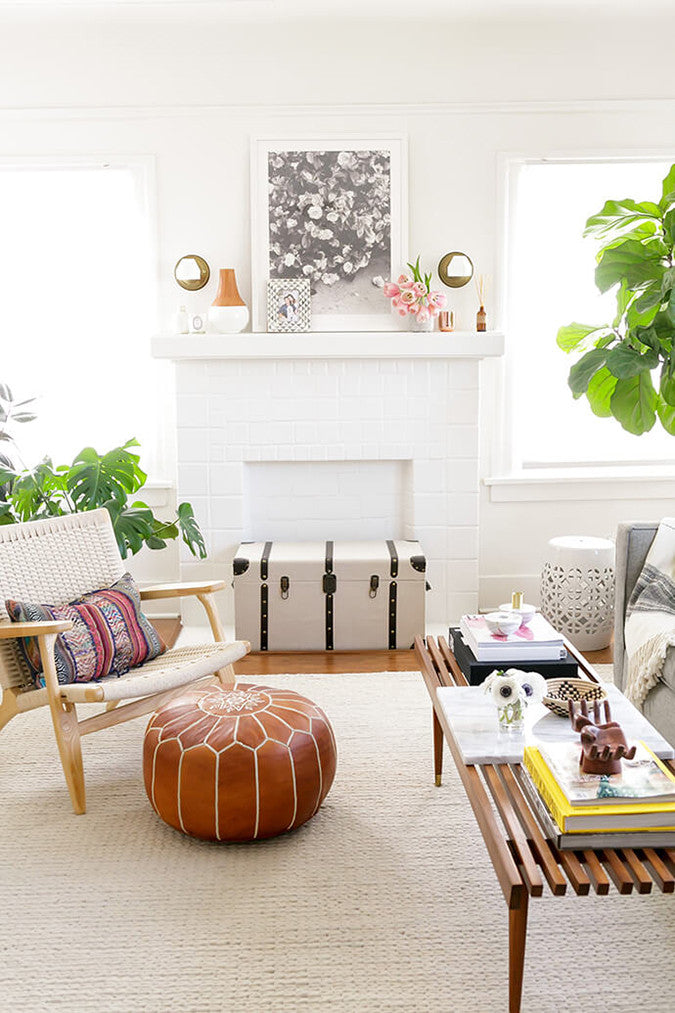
[{"x": 473, "y": 719}]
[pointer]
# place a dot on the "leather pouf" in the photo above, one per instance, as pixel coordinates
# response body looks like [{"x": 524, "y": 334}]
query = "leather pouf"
[{"x": 239, "y": 764}]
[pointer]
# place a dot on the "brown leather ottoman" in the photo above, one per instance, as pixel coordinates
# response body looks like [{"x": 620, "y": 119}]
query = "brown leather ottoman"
[{"x": 239, "y": 764}]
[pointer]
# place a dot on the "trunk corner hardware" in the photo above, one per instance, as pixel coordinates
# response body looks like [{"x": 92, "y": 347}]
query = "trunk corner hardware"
[
  {"x": 284, "y": 585},
  {"x": 374, "y": 584}
]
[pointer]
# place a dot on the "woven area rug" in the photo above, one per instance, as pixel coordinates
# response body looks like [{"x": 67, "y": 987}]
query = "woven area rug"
[{"x": 386, "y": 901}]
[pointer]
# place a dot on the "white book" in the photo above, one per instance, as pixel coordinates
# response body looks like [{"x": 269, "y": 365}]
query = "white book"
[{"x": 536, "y": 641}]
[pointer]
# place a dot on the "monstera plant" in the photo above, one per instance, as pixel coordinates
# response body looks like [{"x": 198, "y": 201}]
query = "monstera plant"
[
  {"x": 627, "y": 369},
  {"x": 95, "y": 480}
]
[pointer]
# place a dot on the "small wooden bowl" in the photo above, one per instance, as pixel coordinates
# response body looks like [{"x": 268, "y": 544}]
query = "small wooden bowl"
[{"x": 559, "y": 691}]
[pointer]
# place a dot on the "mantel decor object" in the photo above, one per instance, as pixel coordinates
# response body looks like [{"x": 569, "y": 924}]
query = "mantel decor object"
[
  {"x": 511, "y": 691},
  {"x": 192, "y": 272},
  {"x": 481, "y": 289},
  {"x": 412, "y": 298},
  {"x": 228, "y": 313}
]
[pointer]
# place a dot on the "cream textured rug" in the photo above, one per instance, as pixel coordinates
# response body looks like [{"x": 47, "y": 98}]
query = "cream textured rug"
[{"x": 386, "y": 901}]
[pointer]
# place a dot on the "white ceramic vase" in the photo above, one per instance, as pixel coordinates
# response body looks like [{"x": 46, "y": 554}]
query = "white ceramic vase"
[{"x": 228, "y": 319}]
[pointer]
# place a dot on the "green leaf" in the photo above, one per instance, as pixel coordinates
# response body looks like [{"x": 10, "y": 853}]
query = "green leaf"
[
  {"x": 190, "y": 530},
  {"x": 667, "y": 386},
  {"x": 666, "y": 413},
  {"x": 93, "y": 479},
  {"x": 620, "y": 216},
  {"x": 132, "y": 526},
  {"x": 599, "y": 393},
  {"x": 624, "y": 361},
  {"x": 636, "y": 263},
  {"x": 668, "y": 189},
  {"x": 582, "y": 371},
  {"x": 634, "y": 402},
  {"x": 6, "y": 515},
  {"x": 574, "y": 335}
]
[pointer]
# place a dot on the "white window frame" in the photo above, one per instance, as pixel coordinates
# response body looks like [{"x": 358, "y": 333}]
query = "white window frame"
[{"x": 508, "y": 480}]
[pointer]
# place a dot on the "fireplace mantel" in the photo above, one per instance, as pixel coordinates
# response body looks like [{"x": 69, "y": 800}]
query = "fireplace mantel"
[{"x": 335, "y": 345}]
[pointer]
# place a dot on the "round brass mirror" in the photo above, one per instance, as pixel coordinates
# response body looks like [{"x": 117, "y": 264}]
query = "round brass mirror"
[
  {"x": 455, "y": 269},
  {"x": 192, "y": 272}
]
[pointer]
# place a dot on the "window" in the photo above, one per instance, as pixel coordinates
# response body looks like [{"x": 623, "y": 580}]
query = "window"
[
  {"x": 551, "y": 283},
  {"x": 78, "y": 305}
]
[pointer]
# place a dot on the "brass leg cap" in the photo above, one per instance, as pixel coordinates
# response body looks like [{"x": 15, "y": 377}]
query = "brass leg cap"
[{"x": 438, "y": 780}]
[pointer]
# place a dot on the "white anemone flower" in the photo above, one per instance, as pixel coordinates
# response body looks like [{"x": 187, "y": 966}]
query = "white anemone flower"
[
  {"x": 489, "y": 679},
  {"x": 506, "y": 689},
  {"x": 532, "y": 683}
]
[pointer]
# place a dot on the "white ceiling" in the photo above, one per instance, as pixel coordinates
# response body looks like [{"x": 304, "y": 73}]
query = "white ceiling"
[{"x": 290, "y": 9}]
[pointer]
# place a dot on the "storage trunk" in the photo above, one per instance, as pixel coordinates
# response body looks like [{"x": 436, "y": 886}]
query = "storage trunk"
[{"x": 324, "y": 596}]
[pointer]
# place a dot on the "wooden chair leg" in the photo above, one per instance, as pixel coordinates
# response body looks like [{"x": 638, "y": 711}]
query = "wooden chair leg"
[
  {"x": 8, "y": 707},
  {"x": 226, "y": 675},
  {"x": 438, "y": 749},
  {"x": 517, "y": 937},
  {"x": 66, "y": 730}
]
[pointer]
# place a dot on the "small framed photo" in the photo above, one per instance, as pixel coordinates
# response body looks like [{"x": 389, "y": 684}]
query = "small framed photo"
[{"x": 288, "y": 304}]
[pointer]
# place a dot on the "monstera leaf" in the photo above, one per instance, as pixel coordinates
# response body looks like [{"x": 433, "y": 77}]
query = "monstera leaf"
[{"x": 94, "y": 480}]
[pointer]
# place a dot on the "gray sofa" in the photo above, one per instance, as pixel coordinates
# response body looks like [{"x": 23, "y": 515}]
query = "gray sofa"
[{"x": 632, "y": 545}]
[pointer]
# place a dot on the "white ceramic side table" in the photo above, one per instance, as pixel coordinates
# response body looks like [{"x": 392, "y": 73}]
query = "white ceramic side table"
[{"x": 577, "y": 589}]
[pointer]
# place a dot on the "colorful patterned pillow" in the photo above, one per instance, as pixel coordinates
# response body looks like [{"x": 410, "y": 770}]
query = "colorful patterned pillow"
[{"x": 110, "y": 634}]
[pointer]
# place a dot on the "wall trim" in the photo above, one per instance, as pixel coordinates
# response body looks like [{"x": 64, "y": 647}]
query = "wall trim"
[{"x": 564, "y": 107}]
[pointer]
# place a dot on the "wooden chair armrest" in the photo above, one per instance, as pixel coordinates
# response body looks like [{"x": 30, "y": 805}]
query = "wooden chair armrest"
[
  {"x": 180, "y": 590},
  {"x": 12, "y": 631}
]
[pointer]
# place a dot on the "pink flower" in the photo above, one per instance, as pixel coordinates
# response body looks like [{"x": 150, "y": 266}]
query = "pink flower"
[
  {"x": 405, "y": 279},
  {"x": 396, "y": 302},
  {"x": 423, "y": 314},
  {"x": 419, "y": 289},
  {"x": 413, "y": 308},
  {"x": 407, "y": 297},
  {"x": 390, "y": 289},
  {"x": 438, "y": 299},
  {"x": 402, "y": 311}
]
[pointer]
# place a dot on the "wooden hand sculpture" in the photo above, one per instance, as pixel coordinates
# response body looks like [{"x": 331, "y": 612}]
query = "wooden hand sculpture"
[{"x": 603, "y": 745}]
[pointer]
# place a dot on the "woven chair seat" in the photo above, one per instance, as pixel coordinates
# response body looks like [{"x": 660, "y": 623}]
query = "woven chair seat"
[{"x": 175, "y": 668}]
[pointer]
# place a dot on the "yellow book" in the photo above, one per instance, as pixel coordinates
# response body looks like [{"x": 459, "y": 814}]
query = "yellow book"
[{"x": 579, "y": 819}]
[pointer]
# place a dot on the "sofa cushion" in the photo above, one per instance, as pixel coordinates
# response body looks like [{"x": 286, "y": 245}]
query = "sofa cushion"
[{"x": 110, "y": 634}]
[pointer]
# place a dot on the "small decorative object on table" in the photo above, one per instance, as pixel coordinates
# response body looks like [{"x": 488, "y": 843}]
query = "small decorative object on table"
[
  {"x": 182, "y": 321},
  {"x": 511, "y": 691},
  {"x": 560, "y": 691},
  {"x": 197, "y": 324},
  {"x": 228, "y": 313},
  {"x": 446, "y": 320},
  {"x": 481, "y": 316},
  {"x": 603, "y": 744},
  {"x": 517, "y": 606},
  {"x": 288, "y": 304},
  {"x": 412, "y": 298}
]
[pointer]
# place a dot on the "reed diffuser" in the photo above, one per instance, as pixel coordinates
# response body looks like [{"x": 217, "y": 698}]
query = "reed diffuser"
[{"x": 481, "y": 289}]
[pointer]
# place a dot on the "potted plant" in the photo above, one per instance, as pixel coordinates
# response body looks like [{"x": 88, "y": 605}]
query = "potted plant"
[
  {"x": 91, "y": 481},
  {"x": 627, "y": 369}
]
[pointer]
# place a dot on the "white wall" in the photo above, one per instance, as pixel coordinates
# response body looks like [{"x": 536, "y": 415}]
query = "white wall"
[{"x": 192, "y": 93}]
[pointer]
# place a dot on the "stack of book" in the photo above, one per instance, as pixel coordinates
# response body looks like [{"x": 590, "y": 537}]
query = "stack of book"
[
  {"x": 537, "y": 647},
  {"x": 633, "y": 809}
]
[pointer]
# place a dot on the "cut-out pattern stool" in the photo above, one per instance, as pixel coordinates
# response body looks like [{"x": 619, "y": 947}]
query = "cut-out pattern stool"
[{"x": 240, "y": 764}]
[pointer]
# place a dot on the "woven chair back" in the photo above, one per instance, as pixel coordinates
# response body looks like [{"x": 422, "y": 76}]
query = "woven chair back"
[{"x": 52, "y": 562}]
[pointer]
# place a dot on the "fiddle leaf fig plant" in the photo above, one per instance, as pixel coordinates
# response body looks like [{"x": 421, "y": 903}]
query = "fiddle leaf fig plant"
[
  {"x": 627, "y": 369},
  {"x": 97, "y": 480}
]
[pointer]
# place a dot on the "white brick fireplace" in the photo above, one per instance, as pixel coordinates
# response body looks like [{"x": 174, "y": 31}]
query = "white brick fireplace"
[{"x": 333, "y": 435}]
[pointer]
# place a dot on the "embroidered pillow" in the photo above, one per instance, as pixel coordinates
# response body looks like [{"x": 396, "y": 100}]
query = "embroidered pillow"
[{"x": 110, "y": 634}]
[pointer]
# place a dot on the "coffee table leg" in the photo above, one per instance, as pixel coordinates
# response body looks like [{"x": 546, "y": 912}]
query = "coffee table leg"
[
  {"x": 438, "y": 749},
  {"x": 517, "y": 936}
]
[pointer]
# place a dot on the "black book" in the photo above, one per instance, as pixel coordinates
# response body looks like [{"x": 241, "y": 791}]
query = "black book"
[{"x": 476, "y": 671}]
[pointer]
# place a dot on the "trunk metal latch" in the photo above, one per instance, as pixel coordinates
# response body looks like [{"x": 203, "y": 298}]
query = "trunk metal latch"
[
  {"x": 284, "y": 585},
  {"x": 374, "y": 584},
  {"x": 329, "y": 583}
]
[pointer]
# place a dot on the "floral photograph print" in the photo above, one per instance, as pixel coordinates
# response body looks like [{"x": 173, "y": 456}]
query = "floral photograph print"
[{"x": 330, "y": 213}]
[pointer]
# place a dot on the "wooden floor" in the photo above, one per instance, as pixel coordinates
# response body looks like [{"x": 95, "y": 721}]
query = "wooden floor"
[{"x": 327, "y": 662}]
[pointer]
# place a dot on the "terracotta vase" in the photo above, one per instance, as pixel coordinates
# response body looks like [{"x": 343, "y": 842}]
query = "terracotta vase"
[{"x": 228, "y": 313}]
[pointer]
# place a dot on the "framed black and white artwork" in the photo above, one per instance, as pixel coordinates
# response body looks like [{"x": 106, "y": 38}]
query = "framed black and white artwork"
[
  {"x": 333, "y": 212},
  {"x": 288, "y": 304}
]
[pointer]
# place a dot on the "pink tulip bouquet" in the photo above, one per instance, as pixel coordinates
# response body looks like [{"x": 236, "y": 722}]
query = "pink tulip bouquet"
[{"x": 411, "y": 295}]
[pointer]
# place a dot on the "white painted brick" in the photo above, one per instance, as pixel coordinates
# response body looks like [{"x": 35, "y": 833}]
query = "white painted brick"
[
  {"x": 226, "y": 479},
  {"x": 462, "y": 407},
  {"x": 191, "y": 377},
  {"x": 193, "y": 480},
  {"x": 462, "y": 508},
  {"x": 463, "y": 441},
  {"x": 462, "y": 475},
  {"x": 463, "y": 375},
  {"x": 226, "y": 511},
  {"x": 463, "y": 575},
  {"x": 462, "y": 542},
  {"x": 192, "y": 411},
  {"x": 459, "y": 604},
  {"x": 192, "y": 446}
]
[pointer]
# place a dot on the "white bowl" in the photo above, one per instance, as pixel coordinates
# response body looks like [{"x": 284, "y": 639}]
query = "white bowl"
[
  {"x": 502, "y": 622},
  {"x": 525, "y": 611}
]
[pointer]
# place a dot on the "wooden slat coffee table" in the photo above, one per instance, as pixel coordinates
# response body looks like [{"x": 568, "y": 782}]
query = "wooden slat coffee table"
[{"x": 523, "y": 859}]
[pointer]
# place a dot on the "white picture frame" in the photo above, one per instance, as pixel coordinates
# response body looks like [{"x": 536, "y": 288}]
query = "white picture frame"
[
  {"x": 289, "y": 307},
  {"x": 345, "y": 304}
]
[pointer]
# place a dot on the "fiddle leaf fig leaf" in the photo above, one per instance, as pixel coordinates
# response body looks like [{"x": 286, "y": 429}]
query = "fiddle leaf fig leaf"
[
  {"x": 668, "y": 190},
  {"x": 634, "y": 402},
  {"x": 637, "y": 263},
  {"x": 624, "y": 361},
  {"x": 620, "y": 216},
  {"x": 582, "y": 371},
  {"x": 599, "y": 393},
  {"x": 666, "y": 413},
  {"x": 574, "y": 335}
]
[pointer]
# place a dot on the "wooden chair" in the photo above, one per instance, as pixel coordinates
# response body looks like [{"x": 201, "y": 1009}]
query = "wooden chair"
[{"x": 55, "y": 561}]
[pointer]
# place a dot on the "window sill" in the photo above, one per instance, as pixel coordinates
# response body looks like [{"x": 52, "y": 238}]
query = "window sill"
[{"x": 611, "y": 483}]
